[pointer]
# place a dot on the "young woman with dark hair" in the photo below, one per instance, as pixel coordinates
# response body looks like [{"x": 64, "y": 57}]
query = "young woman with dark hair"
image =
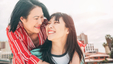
[
  {"x": 61, "y": 47},
  {"x": 26, "y": 30}
]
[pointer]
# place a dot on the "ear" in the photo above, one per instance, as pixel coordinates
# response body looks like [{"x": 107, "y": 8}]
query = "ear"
[
  {"x": 67, "y": 31},
  {"x": 22, "y": 19}
]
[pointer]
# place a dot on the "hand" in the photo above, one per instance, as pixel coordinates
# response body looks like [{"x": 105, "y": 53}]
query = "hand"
[{"x": 42, "y": 62}]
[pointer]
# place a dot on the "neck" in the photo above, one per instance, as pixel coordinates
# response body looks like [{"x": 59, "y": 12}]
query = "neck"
[
  {"x": 33, "y": 35},
  {"x": 35, "y": 39},
  {"x": 58, "y": 46}
]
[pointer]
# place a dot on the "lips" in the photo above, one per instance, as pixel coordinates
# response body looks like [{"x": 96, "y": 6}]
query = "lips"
[
  {"x": 51, "y": 32},
  {"x": 37, "y": 27}
]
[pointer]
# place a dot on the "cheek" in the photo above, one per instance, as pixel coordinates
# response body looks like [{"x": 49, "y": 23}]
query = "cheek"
[
  {"x": 61, "y": 30},
  {"x": 31, "y": 21},
  {"x": 47, "y": 30},
  {"x": 42, "y": 19},
  {"x": 30, "y": 25}
]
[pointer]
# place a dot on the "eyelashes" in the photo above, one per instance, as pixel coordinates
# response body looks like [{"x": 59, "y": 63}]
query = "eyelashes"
[{"x": 56, "y": 22}]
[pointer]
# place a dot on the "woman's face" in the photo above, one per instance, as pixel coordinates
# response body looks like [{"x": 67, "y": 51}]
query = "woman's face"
[
  {"x": 34, "y": 20},
  {"x": 56, "y": 29}
]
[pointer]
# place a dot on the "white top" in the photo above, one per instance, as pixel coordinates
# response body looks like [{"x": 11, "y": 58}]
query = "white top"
[{"x": 60, "y": 59}]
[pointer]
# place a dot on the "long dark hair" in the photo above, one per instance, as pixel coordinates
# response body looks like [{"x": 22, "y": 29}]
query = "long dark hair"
[
  {"x": 71, "y": 44},
  {"x": 22, "y": 8}
]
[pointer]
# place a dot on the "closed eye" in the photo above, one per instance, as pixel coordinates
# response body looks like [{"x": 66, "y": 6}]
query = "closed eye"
[
  {"x": 56, "y": 22},
  {"x": 36, "y": 18},
  {"x": 42, "y": 16}
]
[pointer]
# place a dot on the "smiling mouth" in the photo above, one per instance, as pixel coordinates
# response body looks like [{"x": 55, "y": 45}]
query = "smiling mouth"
[
  {"x": 37, "y": 27},
  {"x": 51, "y": 32}
]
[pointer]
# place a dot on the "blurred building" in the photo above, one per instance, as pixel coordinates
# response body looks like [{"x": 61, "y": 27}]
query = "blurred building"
[
  {"x": 4, "y": 61},
  {"x": 92, "y": 56},
  {"x": 2, "y": 45},
  {"x": 96, "y": 50},
  {"x": 5, "y": 51},
  {"x": 83, "y": 38},
  {"x": 109, "y": 40},
  {"x": 97, "y": 58},
  {"x": 90, "y": 48},
  {"x": 107, "y": 50}
]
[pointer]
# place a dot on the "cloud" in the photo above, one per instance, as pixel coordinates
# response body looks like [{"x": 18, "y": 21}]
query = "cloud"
[
  {"x": 99, "y": 28},
  {"x": 6, "y": 7},
  {"x": 96, "y": 30}
]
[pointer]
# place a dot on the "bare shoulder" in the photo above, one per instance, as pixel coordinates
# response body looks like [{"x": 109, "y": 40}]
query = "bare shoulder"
[{"x": 75, "y": 59}]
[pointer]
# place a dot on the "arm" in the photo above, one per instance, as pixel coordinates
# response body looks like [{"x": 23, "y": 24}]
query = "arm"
[
  {"x": 20, "y": 51},
  {"x": 38, "y": 54},
  {"x": 75, "y": 59},
  {"x": 42, "y": 62}
]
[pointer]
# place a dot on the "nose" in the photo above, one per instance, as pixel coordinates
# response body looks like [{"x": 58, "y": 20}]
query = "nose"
[
  {"x": 40, "y": 21},
  {"x": 50, "y": 25}
]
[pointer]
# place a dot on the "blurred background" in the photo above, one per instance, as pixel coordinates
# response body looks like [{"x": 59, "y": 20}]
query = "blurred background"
[{"x": 92, "y": 18}]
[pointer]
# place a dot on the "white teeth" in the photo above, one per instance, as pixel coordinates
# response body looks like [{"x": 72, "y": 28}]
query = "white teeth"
[
  {"x": 50, "y": 32},
  {"x": 36, "y": 26}
]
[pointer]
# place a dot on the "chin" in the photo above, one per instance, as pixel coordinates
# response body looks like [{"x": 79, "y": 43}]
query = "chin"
[
  {"x": 37, "y": 31},
  {"x": 50, "y": 39}
]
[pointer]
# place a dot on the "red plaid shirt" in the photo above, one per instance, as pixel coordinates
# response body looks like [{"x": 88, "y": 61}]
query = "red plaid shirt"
[{"x": 21, "y": 44}]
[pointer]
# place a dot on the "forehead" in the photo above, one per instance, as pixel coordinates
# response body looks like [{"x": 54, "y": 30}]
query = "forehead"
[
  {"x": 36, "y": 11},
  {"x": 54, "y": 18},
  {"x": 61, "y": 21}
]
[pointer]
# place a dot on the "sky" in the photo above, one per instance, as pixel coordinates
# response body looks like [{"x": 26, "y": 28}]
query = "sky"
[{"x": 91, "y": 17}]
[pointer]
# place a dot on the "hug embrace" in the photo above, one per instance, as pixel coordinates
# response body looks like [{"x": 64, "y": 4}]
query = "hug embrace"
[{"x": 35, "y": 37}]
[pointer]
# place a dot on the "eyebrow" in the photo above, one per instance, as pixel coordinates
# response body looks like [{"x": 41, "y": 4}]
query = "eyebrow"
[
  {"x": 54, "y": 21},
  {"x": 38, "y": 16},
  {"x": 35, "y": 16}
]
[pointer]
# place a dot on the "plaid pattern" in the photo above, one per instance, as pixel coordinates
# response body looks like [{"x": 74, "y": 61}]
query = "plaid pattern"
[{"x": 21, "y": 44}]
